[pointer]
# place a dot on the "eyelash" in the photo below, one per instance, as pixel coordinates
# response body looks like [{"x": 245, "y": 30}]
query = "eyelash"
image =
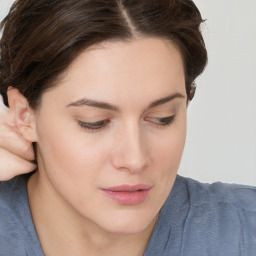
[
  {"x": 94, "y": 126},
  {"x": 97, "y": 126},
  {"x": 163, "y": 121}
]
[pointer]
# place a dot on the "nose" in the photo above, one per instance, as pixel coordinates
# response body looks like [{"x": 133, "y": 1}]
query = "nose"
[{"x": 130, "y": 152}]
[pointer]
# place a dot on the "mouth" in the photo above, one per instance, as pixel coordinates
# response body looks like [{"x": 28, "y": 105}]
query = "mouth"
[{"x": 128, "y": 194}]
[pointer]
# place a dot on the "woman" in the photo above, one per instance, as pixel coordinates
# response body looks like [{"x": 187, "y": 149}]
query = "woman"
[{"x": 101, "y": 89}]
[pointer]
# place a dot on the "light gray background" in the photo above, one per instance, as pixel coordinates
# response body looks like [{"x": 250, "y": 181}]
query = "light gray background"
[{"x": 221, "y": 140}]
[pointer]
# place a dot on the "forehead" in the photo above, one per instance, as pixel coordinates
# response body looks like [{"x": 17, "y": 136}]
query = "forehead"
[{"x": 119, "y": 71}]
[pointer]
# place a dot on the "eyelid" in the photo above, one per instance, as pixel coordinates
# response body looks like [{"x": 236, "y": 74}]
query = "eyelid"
[
  {"x": 93, "y": 126},
  {"x": 161, "y": 120},
  {"x": 101, "y": 124},
  {"x": 164, "y": 119}
]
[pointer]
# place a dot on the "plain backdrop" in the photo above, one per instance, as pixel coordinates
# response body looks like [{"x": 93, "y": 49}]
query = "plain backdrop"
[{"x": 221, "y": 139}]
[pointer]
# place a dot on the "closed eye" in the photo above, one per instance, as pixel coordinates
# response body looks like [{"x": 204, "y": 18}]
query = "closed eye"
[
  {"x": 98, "y": 125},
  {"x": 163, "y": 121},
  {"x": 93, "y": 126}
]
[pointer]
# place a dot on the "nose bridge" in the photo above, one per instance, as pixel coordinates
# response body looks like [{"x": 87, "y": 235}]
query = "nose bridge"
[{"x": 131, "y": 152}]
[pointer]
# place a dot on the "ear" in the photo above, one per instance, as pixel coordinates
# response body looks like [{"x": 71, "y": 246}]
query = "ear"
[{"x": 24, "y": 116}]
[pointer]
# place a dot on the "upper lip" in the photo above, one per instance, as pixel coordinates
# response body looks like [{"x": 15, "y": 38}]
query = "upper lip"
[{"x": 128, "y": 188}]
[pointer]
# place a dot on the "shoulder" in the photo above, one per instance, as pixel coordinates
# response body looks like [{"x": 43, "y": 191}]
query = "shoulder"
[
  {"x": 10, "y": 198},
  {"x": 222, "y": 215},
  {"x": 13, "y": 194},
  {"x": 239, "y": 197},
  {"x": 206, "y": 219},
  {"x": 10, "y": 187},
  {"x": 17, "y": 233}
]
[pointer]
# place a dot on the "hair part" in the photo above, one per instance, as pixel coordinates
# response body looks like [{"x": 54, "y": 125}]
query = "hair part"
[{"x": 42, "y": 38}]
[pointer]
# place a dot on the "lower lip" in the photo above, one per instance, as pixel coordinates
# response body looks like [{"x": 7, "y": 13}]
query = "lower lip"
[{"x": 127, "y": 198}]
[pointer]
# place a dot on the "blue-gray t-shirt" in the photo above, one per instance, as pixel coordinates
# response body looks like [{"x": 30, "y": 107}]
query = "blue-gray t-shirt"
[{"x": 197, "y": 219}]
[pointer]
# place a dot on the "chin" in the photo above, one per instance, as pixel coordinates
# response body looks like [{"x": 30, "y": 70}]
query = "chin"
[{"x": 127, "y": 224}]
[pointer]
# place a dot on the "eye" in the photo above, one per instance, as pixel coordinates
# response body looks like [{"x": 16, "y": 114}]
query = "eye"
[
  {"x": 93, "y": 126},
  {"x": 163, "y": 121}
]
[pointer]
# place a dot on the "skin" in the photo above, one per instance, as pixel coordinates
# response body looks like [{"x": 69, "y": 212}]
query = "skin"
[
  {"x": 15, "y": 151},
  {"x": 71, "y": 213}
]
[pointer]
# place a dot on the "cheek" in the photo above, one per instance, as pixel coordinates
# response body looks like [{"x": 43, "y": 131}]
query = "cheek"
[
  {"x": 68, "y": 154},
  {"x": 168, "y": 148},
  {"x": 167, "y": 156}
]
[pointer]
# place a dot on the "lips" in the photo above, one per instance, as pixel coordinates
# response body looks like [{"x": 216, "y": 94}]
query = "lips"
[{"x": 128, "y": 194}]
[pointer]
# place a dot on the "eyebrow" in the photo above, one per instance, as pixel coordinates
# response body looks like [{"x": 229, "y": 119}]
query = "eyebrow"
[
  {"x": 165, "y": 100},
  {"x": 93, "y": 103},
  {"x": 105, "y": 105}
]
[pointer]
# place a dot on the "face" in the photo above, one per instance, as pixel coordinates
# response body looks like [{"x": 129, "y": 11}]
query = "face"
[{"x": 110, "y": 135}]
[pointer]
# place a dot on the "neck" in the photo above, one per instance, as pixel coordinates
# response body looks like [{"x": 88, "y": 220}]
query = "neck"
[{"x": 62, "y": 231}]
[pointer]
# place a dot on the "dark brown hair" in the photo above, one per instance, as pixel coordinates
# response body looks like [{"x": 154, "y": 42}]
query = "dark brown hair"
[{"x": 41, "y": 38}]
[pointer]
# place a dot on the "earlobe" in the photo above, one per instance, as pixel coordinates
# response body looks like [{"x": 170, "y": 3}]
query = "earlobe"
[{"x": 24, "y": 116}]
